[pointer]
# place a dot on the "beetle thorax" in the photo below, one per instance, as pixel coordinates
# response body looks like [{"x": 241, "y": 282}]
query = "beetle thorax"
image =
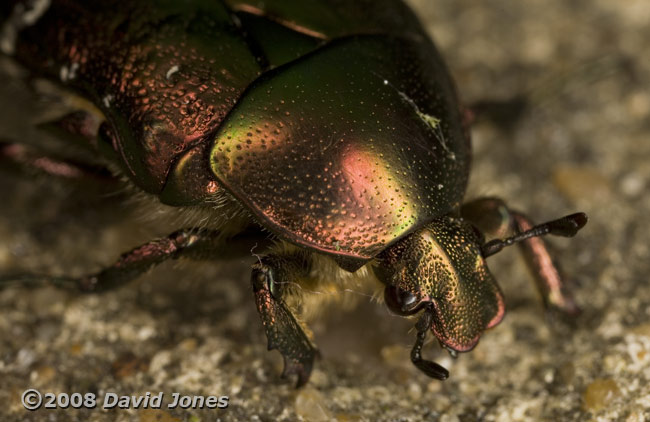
[{"x": 424, "y": 260}]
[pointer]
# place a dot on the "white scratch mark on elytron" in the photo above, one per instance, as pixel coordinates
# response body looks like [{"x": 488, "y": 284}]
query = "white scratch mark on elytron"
[
  {"x": 432, "y": 121},
  {"x": 23, "y": 15}
]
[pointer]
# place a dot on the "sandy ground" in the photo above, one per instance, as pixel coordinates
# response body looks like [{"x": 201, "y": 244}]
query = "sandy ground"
[{"x": 584, "y": 144}]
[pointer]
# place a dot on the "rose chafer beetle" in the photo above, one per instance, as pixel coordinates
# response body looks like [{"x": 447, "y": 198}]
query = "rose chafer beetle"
[{"x": 332, "y": 125}]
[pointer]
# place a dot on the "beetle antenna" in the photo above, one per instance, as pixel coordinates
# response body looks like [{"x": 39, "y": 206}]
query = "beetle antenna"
[
  {"x": 430, "y": 368},
  {"x": 566, "y": 226}
]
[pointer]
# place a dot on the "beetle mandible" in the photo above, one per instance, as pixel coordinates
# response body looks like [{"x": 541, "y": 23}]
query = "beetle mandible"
[{"x": 333, "y": 125}]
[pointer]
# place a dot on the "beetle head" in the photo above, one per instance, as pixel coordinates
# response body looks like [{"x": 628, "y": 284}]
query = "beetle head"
[{"x": 440, "y": 269}]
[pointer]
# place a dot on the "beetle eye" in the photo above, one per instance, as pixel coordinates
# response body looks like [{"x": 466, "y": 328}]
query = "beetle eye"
[{"x": 401, "y": 302}]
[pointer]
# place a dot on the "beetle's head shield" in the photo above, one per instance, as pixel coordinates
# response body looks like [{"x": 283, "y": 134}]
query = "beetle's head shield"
[{"x": 440, "y": 269}]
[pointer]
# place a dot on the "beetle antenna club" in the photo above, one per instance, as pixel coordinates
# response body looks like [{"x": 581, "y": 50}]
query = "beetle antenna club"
[{"x": 566, "y": 226}]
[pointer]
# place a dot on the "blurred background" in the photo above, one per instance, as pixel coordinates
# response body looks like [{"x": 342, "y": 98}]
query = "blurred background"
[{"x": 581, "y": 144}]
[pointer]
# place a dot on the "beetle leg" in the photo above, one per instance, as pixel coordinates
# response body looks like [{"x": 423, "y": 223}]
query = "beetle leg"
[
  {"x": 24, "y": 157},
  {"x": 430, "y": 368},
  {"x": 269, "y": 278},
  {"x": 78, "y": 128},
  {"x": 493, "y": 217},
  {"x": 83, "y": 130},
  {"x": 190, "y": 243}
]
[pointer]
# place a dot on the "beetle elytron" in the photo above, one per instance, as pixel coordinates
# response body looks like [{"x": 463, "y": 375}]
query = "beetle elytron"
[{"x": 333, "y": 125}]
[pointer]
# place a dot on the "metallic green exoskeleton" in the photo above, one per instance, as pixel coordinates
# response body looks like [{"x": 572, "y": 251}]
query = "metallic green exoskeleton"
[{"x": 334, "y": 125}]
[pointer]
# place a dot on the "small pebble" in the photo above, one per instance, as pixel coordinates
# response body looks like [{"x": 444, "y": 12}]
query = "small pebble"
[
  {"x": 579, "y": 184},
  {"x": 394, "y": 354},
  {"x": 638, "y": 104},
  {"x": 632, "y": 185},
  {"x": 311, "y": 405},
  {"x": 43, "y": 375},
  {"x": 415, "y": 391},
  {"x": 600, "y": 394},
  {"x": 188, "y": 345}
]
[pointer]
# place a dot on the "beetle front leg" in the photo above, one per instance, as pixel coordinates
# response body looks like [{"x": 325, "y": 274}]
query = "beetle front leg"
[
  {"x": 23, "y": 157},
  {"x": 80, "y": 129},
  {"x": 187, "y": 243},
  {"x": 492, "y": 216},
  {"x": 271, "y": 278}
]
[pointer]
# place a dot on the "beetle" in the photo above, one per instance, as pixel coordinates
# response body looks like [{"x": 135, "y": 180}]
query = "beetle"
[{"x": 332, "y": 125}]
